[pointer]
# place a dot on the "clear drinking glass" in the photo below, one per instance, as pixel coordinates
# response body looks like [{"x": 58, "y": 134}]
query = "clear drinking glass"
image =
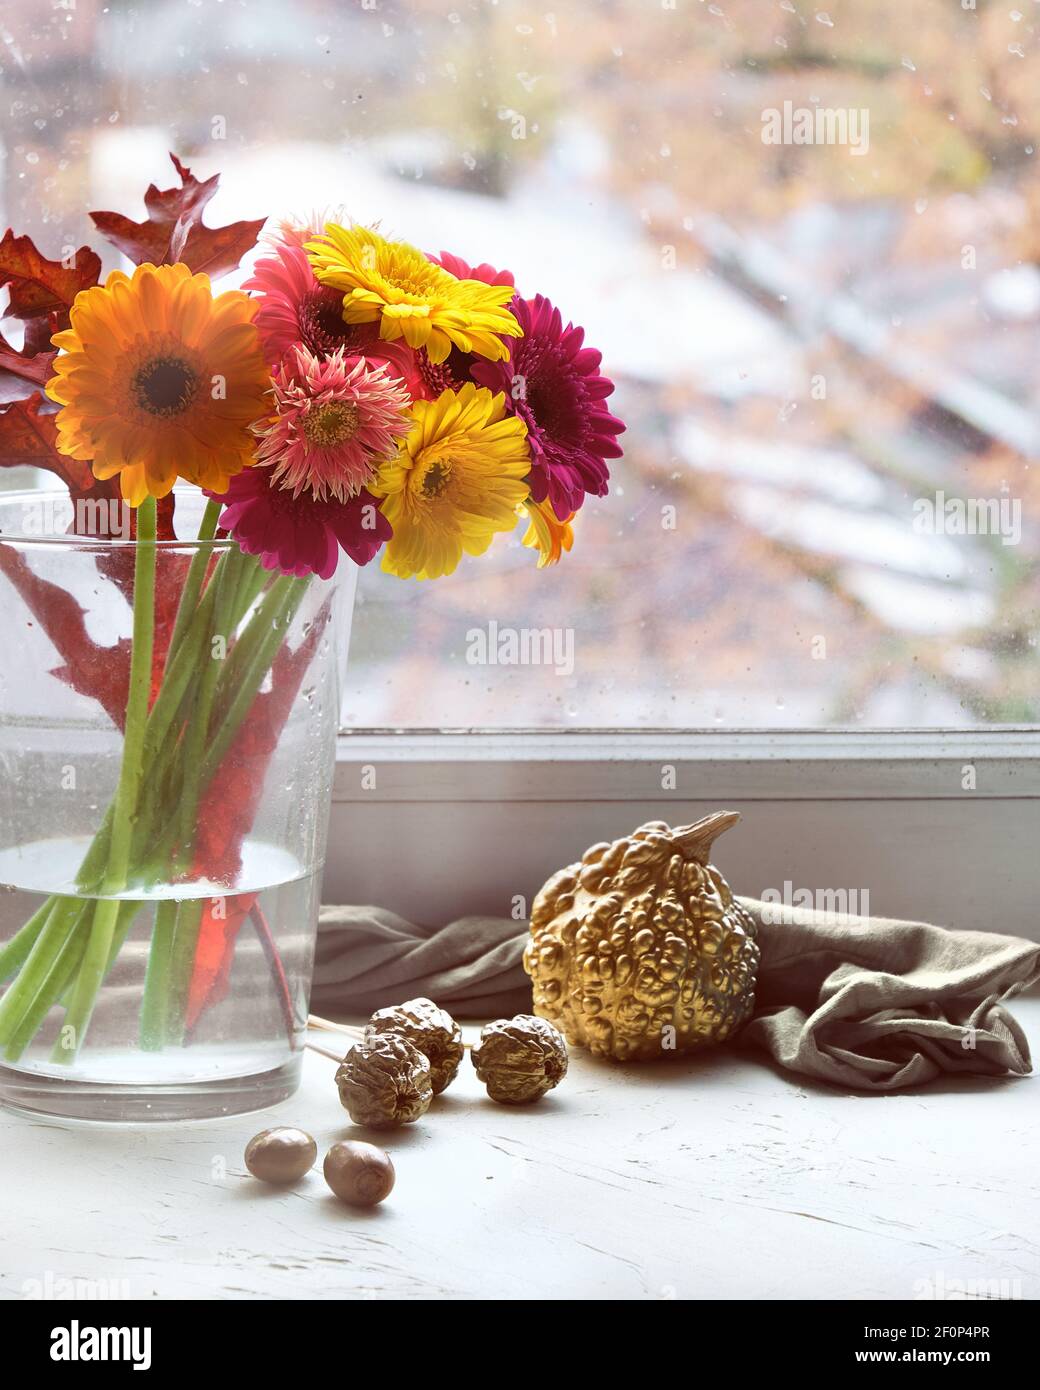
[{"x": 206, "y": 941}]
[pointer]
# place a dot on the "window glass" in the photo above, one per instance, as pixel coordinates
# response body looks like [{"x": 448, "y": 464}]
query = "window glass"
[{"x": 806, "y": 242}]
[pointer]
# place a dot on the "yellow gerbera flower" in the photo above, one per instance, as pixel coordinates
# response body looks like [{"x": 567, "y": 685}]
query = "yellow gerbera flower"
[
  {"x": 392, "y": 283},
  {"x": 457, "y": 481},
  {"x": 547, "y": 533},
  {"x": 157, "y": 379}
]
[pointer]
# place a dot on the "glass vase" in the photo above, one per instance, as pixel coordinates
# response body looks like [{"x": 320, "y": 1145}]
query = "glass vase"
[{"x": 168, "y": 715}]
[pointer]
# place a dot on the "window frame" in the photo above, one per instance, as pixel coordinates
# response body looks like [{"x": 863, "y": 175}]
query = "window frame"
[{"x": 439, "y": 824}]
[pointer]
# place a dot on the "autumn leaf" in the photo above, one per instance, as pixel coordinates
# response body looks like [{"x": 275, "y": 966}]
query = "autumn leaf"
[
  {"x": 29, "y": 437},
  {"x": 102, "y": 673},
  {"x": 25, "y": 370},
  {"x": 38, "y": 287},
  {"x": 175, "y": 231}
]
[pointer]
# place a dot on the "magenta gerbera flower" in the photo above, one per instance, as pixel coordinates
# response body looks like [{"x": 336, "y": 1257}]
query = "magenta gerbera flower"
[
  {"x": 294, "y": 308},
  {"x": 300, "y": 535},
  {"x": 553, "y": 382},
  {"x": 454, "y": 371},
  {"x": 335, "y": 419}
]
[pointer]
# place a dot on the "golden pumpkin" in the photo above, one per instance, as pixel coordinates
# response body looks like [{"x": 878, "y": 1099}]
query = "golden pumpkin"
[{"x": 641, "y": 950}]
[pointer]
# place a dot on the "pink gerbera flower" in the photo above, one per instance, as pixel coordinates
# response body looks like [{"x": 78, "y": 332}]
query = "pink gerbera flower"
[
  {"x": 300, "y": 534},
  {"x": 335, "y": 418},
  {"x": 294, "y": 308},
  {"x": 462, "y": 270},
  {"x": 553, "y": 383},
  {"x": 454, "y": 371}
]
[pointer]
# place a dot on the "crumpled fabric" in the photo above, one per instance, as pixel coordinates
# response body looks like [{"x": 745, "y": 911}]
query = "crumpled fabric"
[{"x": 871, "y": 1004}]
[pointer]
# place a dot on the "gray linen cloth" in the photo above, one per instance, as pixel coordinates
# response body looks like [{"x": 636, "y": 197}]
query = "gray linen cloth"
[{"x": 868, "y": 1003}]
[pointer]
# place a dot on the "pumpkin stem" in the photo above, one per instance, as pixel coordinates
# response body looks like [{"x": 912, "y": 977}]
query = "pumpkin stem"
[{"x": 696, "y": 840}]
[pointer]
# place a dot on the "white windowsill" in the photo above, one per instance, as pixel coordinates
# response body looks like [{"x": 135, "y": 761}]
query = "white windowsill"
[{"x": 628, "y": 764}]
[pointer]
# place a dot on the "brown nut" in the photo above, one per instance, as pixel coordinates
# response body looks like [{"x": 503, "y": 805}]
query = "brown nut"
[
  {"x": 280, "y": 1155},
  {"x": 521, "y": 1058},
  {"x": 359, "y": 1174},
  {"x": 430, "y": 1029},
  {"x": 384, "y": 1083}
]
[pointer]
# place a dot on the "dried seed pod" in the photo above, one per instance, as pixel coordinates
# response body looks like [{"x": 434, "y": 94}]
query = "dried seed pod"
[
  {"x": 385, "y": 1082},
  {"x": 521, "y": 1058},
  {"x": 430, "y": 1029},
  {"x": 641, "y": 950},
  {"x": 280, "y": 1155},
  {"x": 358, "y": 1173}
]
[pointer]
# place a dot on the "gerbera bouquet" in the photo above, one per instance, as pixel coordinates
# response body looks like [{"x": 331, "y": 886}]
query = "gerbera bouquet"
[{"x": 357, "y": 397}]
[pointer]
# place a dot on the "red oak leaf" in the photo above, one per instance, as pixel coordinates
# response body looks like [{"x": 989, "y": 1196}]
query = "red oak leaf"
[
  {"x": 222, "y": 920},
  {"x": 22, "y": 372},
  {"x": 175, "y": 231},
  {"x": 29, "y": 436},
  {"x": 39, "y": 287},
  {"x": 103, "y": 673}
]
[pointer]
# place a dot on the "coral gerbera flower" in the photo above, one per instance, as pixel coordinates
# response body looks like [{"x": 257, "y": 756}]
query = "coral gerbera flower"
[
  {"x": 547, "y": 533},
  {"x": 457, "y": 482},
  {"x": 335, "y": 418},
  {"x": 396, "y": 286},
  {"x": 294, "y": 308},
  {"x": 555, "y": 386},
  {"x": 157, "y": 379},
  {"x": 300, "y": 535}
]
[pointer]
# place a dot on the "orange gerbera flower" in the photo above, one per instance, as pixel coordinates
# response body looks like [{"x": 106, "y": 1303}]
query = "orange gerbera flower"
[
  {"x": 547, "y": 533},
  {"x": 158, "y": 380}
]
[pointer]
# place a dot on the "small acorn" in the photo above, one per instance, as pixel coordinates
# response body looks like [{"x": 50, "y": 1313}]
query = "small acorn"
[
  {"x": 384, "y": 1082},
  {"x": 280, "y": 1155},
  {"x": 520, "y": 1058},
  {"x": 359, "y": 1174}
]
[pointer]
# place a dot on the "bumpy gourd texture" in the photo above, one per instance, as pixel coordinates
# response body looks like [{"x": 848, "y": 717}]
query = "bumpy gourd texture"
[{"x": 641, "y": 938}]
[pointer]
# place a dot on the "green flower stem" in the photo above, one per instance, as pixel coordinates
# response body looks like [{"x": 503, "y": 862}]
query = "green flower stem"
[
  {"x": 65, "y": 965},
  {"x": 169, "y": 764},
  {"x": 182, "y": 966},
  {"x": 193, "y": 583},
  {"x": 256, "y": 650},
  {"x": 61, "y": 921},
  {"x": 199, "y": 714},
  {"x": 254, "y": 578},
  {"x": 13, "y": 955},
  {"x": 154, "y": 1004},
  {"x": 128, "y": 910},
  {"x": 172, "y": 954},
  {"x": 260, "y": 643},
  {"x": 106, "y": 913},
  {"x": 263, "y": 637},
  {"x": 157, "y": 729}
]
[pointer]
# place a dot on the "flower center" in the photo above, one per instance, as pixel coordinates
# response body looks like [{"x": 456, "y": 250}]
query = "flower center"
[
  {"x": 164, "y": 386},
  {"x": 325, "y": 426},
  {"x": 436, "y": 479},
  {"x": 321, "y": 320}
]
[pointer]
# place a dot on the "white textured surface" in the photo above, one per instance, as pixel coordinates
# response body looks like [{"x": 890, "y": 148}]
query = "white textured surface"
[{"x": 703, "y": 1178}]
